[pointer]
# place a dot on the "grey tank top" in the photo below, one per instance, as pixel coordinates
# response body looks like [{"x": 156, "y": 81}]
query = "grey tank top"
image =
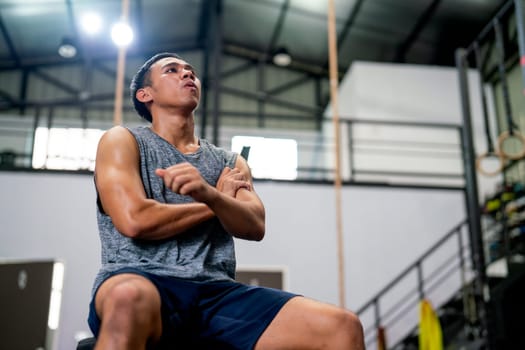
[{"x": 203, "y": 253}]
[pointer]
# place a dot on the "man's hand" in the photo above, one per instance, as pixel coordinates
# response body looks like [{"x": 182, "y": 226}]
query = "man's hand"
[
  {"x": 185, "y": 179},
  {"x": 231, "y": 180}
]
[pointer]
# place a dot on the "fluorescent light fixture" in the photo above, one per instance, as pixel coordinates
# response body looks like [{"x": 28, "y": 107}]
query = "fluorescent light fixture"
[
  {"x": 91, "y": 23},
  {"x": 122, "y": 34}
]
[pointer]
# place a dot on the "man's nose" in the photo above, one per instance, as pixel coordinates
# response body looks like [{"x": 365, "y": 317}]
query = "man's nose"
[{"x": 186, "y": 73}]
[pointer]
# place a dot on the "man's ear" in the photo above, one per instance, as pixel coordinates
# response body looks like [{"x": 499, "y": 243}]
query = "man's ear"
[{"x": 143, "y": 95}]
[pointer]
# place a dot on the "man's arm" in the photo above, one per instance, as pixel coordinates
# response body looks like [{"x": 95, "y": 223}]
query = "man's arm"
[
  {"x": 234, "y": 201},
  {"x": 244, "y": 215},
  {"x": 123, "y": 198}
]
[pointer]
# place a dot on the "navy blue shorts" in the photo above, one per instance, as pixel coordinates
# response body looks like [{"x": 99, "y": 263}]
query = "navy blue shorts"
[{"x": 209, "y": 315}]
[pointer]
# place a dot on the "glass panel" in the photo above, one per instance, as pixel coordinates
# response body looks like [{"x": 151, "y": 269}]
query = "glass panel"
[{"x": 269, "y": 158}]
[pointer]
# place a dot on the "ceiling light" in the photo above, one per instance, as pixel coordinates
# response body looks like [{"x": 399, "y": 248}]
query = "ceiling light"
[
  {"x": 67, "y": 48},
  {"x": 91, "y": 23},
  {"x": 122, "y": 34},
  {"x": 281, "y": 57}
]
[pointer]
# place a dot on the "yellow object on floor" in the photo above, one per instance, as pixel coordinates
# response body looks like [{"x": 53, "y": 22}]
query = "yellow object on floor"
[{"x": 430, "y": 336}]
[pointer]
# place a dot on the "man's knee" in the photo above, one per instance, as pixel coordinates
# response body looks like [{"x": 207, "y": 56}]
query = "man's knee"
[
  {"x": 349, "y": 325},
  {"x": 133, "y": 298},
  {"x": 129, "y": 308},
  {"x": 349, "y": 320},
  {"x": 134, "y": 295}
]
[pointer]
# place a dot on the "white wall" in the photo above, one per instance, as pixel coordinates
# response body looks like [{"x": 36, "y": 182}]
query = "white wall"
[
  {"x": 385, "y": 229},
  {"x": 414, "y": 93},
  {"x": 53, "y": 216}
]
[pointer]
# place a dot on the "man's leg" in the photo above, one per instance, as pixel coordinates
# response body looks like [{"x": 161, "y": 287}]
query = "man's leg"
[
  {"x": 129, "y": 308},
  {"x": 307, "y": 324}
]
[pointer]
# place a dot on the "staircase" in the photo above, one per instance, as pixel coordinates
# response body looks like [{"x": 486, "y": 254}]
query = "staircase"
[{"x": 444, "y": 275}]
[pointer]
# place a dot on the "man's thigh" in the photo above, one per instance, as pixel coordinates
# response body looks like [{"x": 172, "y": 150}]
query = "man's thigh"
[
  {"x": 302, "y": 323},
  {"x": 235, "y": 315}
]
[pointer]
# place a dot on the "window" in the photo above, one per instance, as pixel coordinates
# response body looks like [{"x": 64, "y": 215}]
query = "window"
[
  {"x": 269, "y": 158},
  {"x": 65, "y": 148}
]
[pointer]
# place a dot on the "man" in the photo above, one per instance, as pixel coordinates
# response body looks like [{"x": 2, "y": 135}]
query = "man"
[{"x": 168, "y": 207}]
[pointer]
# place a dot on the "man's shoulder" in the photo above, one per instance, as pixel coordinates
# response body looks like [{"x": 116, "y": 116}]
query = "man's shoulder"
[{"x": 115, "y": 135}]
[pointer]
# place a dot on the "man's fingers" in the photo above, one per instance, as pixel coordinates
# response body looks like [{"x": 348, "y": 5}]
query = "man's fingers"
[
  {"x": 182, "y": 181},
  {"x": 239, "y": 176},
  {"x": 246, "y": 185}
]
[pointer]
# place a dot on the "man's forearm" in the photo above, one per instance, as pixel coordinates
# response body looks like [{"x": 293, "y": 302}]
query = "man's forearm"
[
  {"x": 161, "y": 221},
  {"x": 243, "y": 216}
]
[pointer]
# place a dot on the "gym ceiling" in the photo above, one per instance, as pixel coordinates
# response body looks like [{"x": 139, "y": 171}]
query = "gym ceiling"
[{"x": 411, "y": 31}]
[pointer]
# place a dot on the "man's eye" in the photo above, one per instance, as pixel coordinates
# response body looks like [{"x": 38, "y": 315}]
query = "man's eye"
[{"x": 171, "y": 70}]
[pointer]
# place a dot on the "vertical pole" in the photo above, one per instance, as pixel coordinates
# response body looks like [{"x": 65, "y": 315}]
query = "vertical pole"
[
  {"x": 121, "y": 64},
  {"x": 23, "y": 91},
  {"x": 462, "y": 273},
  {"x": 381, "y": 338},
  {"x": 261, "y": 87},
  {"x": 500, "y": 53},
  {"x": 351, "y": 149},
  {"x": 217, "y": 53},
  {"x": 420, "y": 281},
  {"x": 86, "y": 88},
  {"x": 318, "y": 103},
  {"x": 50, "y": 114},
  {"x": 36, "y": 122},
  {"x": 377, "y": 314},
  {"x": 334, "y": 81},
  {"x": 518, "y": 7},
  {"x": 205, "y": 84},
  {"x": 481, "y": 288}
]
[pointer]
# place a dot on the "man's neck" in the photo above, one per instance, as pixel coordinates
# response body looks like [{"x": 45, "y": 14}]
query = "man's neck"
[{"x": 178, "y": 131}]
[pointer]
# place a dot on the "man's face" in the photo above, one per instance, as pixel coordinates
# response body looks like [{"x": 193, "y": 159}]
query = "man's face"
[{"x": 174, "y": 83}]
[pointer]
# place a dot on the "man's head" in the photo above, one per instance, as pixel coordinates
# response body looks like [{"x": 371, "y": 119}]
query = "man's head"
[{"x": 141, "y": 79}]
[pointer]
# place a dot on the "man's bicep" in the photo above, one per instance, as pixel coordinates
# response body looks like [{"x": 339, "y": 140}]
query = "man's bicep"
[{"x": 117, "y": 175}]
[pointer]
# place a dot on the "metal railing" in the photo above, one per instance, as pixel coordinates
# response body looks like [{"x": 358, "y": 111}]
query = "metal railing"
[
  {"x": 373, "y": 151},
  {"x": 455, "y": 262}
]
